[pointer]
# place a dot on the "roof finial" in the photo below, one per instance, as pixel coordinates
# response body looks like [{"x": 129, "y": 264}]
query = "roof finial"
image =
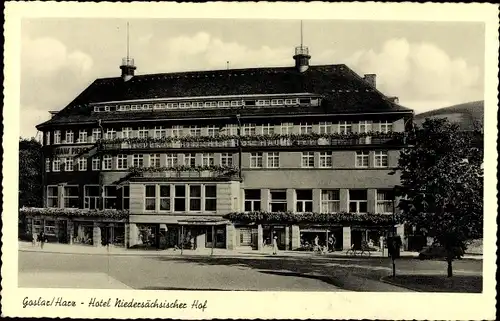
[
  {"x": 227, "y": 65},
  {"x": 301, "y": 53},
  {"x": 127, "y": 65},
  {"x": 128, "y": 43}
]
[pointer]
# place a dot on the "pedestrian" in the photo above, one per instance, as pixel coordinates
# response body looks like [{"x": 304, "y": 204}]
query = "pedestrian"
[
  {"x": 33, "y": 239},
  {"x": 316, "y": 243},
  {"x": 42, "y": 239},
  {"x": 275, "y": 245}
]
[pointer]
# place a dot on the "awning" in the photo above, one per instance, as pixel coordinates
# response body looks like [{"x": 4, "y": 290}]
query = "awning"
[
  {"x": 314, "y": 230},
  {"x": 203, "y": 221}
]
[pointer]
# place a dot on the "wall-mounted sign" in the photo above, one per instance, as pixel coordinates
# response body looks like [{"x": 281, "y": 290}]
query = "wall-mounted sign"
[{"x": 70, "y": 150}]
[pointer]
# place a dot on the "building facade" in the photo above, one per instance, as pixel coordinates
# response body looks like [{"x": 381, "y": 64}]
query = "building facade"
[{"x": 226, "y": 159}]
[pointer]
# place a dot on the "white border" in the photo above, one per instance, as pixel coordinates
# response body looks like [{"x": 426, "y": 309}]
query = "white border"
[{"x": 256, "y": 304}]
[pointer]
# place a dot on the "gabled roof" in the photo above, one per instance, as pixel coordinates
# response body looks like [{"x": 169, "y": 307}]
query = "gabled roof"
[{"x": 342, "y": 89}]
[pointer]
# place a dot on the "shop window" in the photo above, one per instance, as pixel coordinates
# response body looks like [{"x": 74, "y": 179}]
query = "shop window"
[
  {"x": 330, "y": 201},
  {"x": 50, "y": 227},
  {"x": 304, "y": 200},
  {"x": 358, "y": 201},
  {"x": 52, "y": 197},
  {"x": 71, "y": 197},
  {"x": 252, "y": 200},
  {"x": 278, "y": 201},
  {"x": 150, "y": 201}
]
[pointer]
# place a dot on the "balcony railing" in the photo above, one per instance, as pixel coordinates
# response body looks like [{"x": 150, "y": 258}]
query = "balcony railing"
[{"x": 254, "y": 142}]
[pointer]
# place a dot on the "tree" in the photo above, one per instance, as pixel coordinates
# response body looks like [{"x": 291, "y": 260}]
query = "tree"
[
  {"x": 442, "y": 185},
  {"x": 30, "y": 173}
]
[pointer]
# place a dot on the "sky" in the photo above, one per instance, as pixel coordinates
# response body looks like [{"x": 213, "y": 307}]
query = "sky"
[{"x": 428, "y": 65}]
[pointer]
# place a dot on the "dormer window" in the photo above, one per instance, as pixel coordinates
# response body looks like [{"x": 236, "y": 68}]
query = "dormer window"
[
  {"x": 277, "y": 102},
  {"x": 172, "y": 105},
  {"x": 223, "y": 104},
  {"x": 197, "y": 104},
  {"x": 147, "y": 106},
  {"x": 159, "y": 106},
  {"x": 184, "y": 105},
  {"x": 263, "y": 102},
  {"x": 210, "y": 104},
  {"x": 135, "y": 107},
  {"x": 236, "y": 103},
  {"x": 291, "y": 101},
  {"x": 107, "y": 108},
  {"x": 96, "y": 108}
]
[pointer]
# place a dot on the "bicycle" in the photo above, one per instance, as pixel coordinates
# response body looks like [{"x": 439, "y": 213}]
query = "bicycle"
[{"x": 364, "y": 251}]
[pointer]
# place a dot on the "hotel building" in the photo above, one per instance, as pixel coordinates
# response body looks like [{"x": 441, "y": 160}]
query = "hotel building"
[{"x": 223, "y": 158}]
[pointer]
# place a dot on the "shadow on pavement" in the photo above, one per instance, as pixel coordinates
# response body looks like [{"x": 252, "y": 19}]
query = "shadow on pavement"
[
  {"x": 323, "y": 278},
  {"x": 439, "y": 283},
  {"x": 159, "y": 288}
]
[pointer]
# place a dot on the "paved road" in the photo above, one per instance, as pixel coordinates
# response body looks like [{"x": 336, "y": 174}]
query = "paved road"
[{"x": 226, "y": 273}]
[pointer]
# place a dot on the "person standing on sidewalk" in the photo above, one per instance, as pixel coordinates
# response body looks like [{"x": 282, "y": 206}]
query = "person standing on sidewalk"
[
  {"x": 42, "y": 239},
  {"x": 275, "y": 245}
]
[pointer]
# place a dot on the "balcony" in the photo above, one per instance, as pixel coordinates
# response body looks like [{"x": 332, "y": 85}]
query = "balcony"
[{"x": 309, "y": 140}]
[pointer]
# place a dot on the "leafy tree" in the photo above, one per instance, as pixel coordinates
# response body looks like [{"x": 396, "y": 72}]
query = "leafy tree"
[
  {"x": 30, "y": 173},
  {"x": 442, "y": 185}
]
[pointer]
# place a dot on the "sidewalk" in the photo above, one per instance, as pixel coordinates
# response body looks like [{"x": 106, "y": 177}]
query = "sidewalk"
[{"x": 120, "y": 251}]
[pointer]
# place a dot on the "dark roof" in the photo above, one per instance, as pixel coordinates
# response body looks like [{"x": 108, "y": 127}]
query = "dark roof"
[{"x": 343, "y": 91}]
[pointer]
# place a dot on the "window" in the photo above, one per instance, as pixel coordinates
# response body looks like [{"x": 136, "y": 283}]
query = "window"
[
  {"x": 195, "y": 198},
  {"x": 172, "y": 105},
  {"x": 106, "y": 162},
  {"x": 69, "y": 137},
  {"x": 210, "y": 198},
  {"x": 107, "y": 108},
  {"x": 125, "y": 197},
  {"x": 213, "y": 131},
  {"x": 96, "y": 164},
  {"x": 138, "y": 160},
  {"x": 273, "y": 160},
  {"x": 177, "y": 131},
  {"x": 190, "y": 160},
  {"x": 56, "y": 165},
  {"x": 278, "y": 201},
  {"x": 362, "y": 159},
  {"x": 286, "y": 128},
  {"x": 267, "y": 129},
  {"x": 121, "y": 161},
  {"x": 49, "y": 227},
  {"x": 223, "y": 103},
  {"x": 263, "y": 102},
  {"x": 150, "y": 201},
  {"x": 211, "y": 104},
  {"x": 179, "y": 198},
  {"x": 252, "y": 200},
  {"x": 184, "y": 105},
  {"x": 126, "y": 132},
  {"x": 57, "y": 137},
  {"x": 159, "y": 106},
  {"x": 276, "y": 102},
  {"x": 52, "y": 196},
  {"x": 207, "y": 159},
  {"x": 47, "y": 164},
  {"x": 307, "y": 159},
  {"x": 110, "y": 134},
  {"x": 171, "y": 160},
  {"x": 325, "y": 159},
  {"x": 110, "y": 197},
  {"x": 385, "y": 127},
  {"x": 305, "y": 128},
  {"x": 135, "y": 107},
  {"x": 96, "y": 134},
  {"x": 82, "y": 164},
  {"x": 154, "y": 160},
  {"x": 226, "y": 159},
  {"x": 71, "y": 197},
  {"x": 231, "y": 129},
  {"x": 47, "y": 138},
  {"x": 164, "y": 197},
  {"x": 365, "y": 127},
  {"x": 197, "y": 104},
  {"x": 82, "y": 136},
  {"x": 249, "y": 129},
  {"x": 91, "y": 197},
  {"x": 236, "y": 103},
  {"x": 345, "y": 127},
  {"x": 256, "y": 160},
  {"x": 147, "y": 106},
  {"x": 68, "y": 164},
  {"x": 381, "y": 159},
  {"x": 194, "y": 131},
  {"x": 304, "y": 200},
  {"x": 384, "y": 201},
  {"x": 358, "y": 202},
  {"x": 330, "y": 201},
  {"x": 291, "y": 101},
  {"x": 143, "y": 132},
  {"x": 325, "y": 127}
]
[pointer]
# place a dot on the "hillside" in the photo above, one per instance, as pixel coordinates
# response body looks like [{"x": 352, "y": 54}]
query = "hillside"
[{"x": 464, "y": 114}]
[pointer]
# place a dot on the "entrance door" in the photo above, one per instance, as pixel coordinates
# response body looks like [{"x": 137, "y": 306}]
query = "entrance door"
[{"x": 357, "y": 238}]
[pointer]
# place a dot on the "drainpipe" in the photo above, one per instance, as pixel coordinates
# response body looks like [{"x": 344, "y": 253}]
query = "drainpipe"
[
  {"x": 239, "y": 146},
  {"x": 101, "y": 179}
]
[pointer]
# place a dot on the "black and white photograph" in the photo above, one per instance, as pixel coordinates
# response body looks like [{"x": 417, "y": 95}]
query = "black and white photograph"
[{"x": 249, "y": 155}]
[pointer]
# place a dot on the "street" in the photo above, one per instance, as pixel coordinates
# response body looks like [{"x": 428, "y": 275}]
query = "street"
[{"x": 266, "y": 273}]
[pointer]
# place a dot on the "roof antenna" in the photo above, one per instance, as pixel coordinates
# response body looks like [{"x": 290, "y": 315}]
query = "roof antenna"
[
  {"x": 301, "y": 35},
  {"x": 128, "y": 67},
  {"x": 128, "y": 43}
]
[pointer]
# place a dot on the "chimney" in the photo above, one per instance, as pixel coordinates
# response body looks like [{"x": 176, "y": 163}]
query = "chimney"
[
  {"x": 371, "y": 79},
  {"x": 127, "y": 68}
]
